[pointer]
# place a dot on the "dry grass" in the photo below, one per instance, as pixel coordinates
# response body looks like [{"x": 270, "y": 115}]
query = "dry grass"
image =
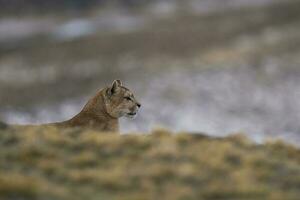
[{"x": 47, "y": 163}]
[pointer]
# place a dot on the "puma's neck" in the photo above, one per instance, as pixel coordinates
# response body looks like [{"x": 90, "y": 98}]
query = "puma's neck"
[{"x": 94, "y": 115}]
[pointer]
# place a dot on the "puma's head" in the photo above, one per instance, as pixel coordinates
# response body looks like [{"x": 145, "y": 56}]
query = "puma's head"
[{"x": 120, "y": 101}]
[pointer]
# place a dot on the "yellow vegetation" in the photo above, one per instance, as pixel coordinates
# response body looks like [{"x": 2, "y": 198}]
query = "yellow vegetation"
[{"x": 47, "y": 163}]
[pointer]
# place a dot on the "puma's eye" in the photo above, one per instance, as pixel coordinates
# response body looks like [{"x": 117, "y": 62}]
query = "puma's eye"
[{"x": 127, "y": 98}]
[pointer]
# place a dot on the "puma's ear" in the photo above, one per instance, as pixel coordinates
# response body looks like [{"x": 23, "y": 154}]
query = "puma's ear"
[
  {"x": 118, "y": 82},
  {"x": 115, "y": 87}
]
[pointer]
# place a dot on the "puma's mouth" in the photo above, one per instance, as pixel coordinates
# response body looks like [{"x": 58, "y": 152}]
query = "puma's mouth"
[{"x": 132, "y": 114}]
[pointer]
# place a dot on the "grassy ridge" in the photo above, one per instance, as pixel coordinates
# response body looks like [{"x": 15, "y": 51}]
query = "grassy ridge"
[{"x": 46, "y": 163}]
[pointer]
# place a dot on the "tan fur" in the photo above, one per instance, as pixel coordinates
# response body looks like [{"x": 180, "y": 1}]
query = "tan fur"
[{"x": 104, "y": 109}]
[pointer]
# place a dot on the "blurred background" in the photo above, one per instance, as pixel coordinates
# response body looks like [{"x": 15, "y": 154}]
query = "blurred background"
[{"x": 213, "y": 66}]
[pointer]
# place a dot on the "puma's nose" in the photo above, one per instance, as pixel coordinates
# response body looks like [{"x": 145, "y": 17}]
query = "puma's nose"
[{"x": 138, "y": 105}]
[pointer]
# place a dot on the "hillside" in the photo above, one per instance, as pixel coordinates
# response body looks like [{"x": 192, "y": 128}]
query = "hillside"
[
  {"x": 252, "y": 51},
  {"x": 46, "y": 163}
]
